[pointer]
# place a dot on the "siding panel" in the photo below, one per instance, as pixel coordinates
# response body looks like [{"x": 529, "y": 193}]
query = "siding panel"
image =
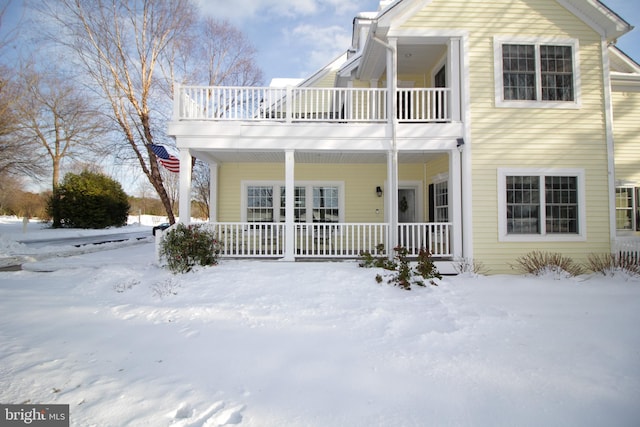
[{"x": 526, "y": 137}]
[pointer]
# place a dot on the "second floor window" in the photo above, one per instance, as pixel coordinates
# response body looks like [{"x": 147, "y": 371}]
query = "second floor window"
[{"x": 533, "y": 73}]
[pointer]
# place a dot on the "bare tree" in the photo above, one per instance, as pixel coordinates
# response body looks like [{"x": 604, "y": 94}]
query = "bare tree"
[
  {"x": 220, "y": 54},
  {"x": 54, "y": 116},
  {"x": 201, "y": 188},
  {"x": 134, "y": 50},
  {"x": 120, "y": 44},
  {"x": 16, "y": 157}
]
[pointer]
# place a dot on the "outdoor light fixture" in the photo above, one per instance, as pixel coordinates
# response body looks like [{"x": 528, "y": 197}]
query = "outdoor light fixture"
[{"x": 379, "y": 191}]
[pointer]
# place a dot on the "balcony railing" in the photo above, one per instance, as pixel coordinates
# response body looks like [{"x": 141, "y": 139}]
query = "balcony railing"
[
  {"x": 293, "y": 104},
  {"x": 328, "y": 240}
]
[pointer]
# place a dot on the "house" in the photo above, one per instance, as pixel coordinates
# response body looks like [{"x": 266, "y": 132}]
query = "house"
[{"x": 479, "y": 130}]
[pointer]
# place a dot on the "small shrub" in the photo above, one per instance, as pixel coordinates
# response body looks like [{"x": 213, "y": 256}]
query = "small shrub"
[
  {"x": 540, "y": 263},
  {"x": 379, "y": 260},
  {"x": 469, "y": 266},
  {"x": 403, "y": 275},
  {"x": 426, "y": 268},
  {"x": 610, "y": 264},
  {"x": 186, "y": 246}
]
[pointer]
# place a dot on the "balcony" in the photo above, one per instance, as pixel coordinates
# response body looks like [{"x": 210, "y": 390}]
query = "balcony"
[{"x": 305, "y": 105}]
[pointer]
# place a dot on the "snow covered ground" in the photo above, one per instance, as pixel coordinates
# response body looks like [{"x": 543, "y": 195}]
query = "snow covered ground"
[{"x": 273, "y": 344}]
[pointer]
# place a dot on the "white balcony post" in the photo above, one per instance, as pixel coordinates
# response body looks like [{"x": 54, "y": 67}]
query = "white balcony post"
[
  {"x": 289, "y": 104},
  {"x": 454, "y": 60},
  {"x": 289, "y": 201},
  {"x": 455, "y": 182},
  {"x": 185, "y": 186},
  {"x": 213, "y": 192}
]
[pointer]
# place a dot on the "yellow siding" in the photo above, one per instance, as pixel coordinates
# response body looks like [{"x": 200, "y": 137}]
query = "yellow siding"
[
  {"x": 360, "y": 182},
  {"x": 536, "y": 138},
  {"x": 626, "y": 125}
]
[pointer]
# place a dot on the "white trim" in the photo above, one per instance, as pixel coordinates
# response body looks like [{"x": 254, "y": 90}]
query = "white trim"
[
  {"x": 503, "y": 236},
  {"x": 184, "y": 209},
  {"x": 499, "y": 41}
]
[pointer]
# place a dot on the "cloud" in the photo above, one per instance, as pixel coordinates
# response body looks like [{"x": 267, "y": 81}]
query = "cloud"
[
  {"x": 321, "y": 44},
  {"x": 246, "y": 10}
]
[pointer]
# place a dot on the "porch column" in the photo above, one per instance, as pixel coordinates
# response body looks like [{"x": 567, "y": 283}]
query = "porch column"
[
  {"x": 453, "y": 65},
  {"x": 185, "y": 187},
  {"x": 213, "y": 192},
  {"x": 289, "y": 201},
  {"x": 455, "y": 200},
  {"x": 392, "y": 200}
]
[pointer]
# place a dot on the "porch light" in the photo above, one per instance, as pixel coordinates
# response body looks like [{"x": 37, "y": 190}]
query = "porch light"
[{"x": 379, "y": 191}]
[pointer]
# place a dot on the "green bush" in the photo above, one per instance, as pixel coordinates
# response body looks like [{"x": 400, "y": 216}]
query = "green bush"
[
  {"x": 186, "y": 246},
  {"x": 88, "y": 200},
  {"x": 404, "y": 276}
]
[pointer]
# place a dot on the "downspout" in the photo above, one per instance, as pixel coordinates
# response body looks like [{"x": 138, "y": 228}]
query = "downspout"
[
  {"x": 392, "y": 160},
  {"x": 608, "y": 117}
]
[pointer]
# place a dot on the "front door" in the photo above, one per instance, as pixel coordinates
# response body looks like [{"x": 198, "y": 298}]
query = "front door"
[
  {"x": 406, "y": 205},
  {"x": 407, "y": 214}
]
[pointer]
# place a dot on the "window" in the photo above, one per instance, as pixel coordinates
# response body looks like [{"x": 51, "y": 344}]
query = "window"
[
  {"x": 441, "y": 201},
  {"x": 300, "y": 203},
  {"x": 532, "y": 73},
  {"x": 541, "y": 204},
  {"x": 260, "y": 204},
  {"x": 628, "y": 208},
  {"x": 313, "y": 202},
  {"x": 325, "y": 204}
]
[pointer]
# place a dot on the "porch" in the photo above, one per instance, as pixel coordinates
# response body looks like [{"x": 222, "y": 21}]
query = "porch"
[{"x": 329, "y": 240}]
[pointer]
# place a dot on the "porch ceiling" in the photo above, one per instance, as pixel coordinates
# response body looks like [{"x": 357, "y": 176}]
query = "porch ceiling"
[{"x": 311, "y": 157}]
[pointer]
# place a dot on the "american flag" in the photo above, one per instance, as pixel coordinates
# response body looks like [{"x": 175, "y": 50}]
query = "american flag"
[{"x": 171, "y": 163}]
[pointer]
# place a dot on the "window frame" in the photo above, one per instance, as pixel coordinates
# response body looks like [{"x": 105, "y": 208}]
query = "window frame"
[
  {"x": 542, "y": 235},
  {"x": 501, "y": 102},
  {"x": 437, "y": 208},
  {"x": 276, "y": 195},
  {"x": 633, "y": 209}
]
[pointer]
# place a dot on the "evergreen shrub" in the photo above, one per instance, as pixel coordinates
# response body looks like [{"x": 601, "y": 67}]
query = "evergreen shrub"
[
  {"x": 88, "y": 200},
  {"x": 185, "y": 246}
]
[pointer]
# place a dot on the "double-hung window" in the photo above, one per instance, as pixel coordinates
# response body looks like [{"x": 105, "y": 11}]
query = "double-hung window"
[
  {"x": 313, "y": 202},
  {"x": 441, "y": 201},
  {"x": 541, "y": 205},
  {"x": 627, "y": 208},
  {"x": 536, "y": 73}
]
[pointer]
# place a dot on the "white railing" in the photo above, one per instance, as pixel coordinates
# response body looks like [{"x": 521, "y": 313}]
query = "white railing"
[
  {"x": 249, "y": 239},
  {"x": 434, "y": 236},
  {"x": 339, "y": 240},
  {"x": 309, "y": 104},
  {"x": 423, "y": 105},
  {"x": 628, "y": 248},
  {"x": 329, "y": 240}
]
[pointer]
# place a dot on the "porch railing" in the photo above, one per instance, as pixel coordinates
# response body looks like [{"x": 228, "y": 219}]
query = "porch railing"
[
  {"x": 294, "y": 104},
  {"x": 627, "y": 248},
  {"x": 328, "y": 240}
]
